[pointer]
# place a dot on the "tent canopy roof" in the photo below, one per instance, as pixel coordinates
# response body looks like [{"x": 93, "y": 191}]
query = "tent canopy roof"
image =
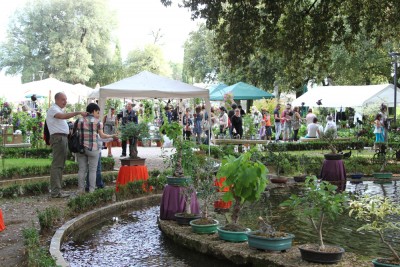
[
  {"x": 241, "y": 91},
  {"x": 149, "y": 85},
  {"x": 216, "y": 87},
  {"x": 348, "y": 96}
]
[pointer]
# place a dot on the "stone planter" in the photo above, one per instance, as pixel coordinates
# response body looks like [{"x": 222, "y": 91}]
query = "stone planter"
[
  {"x": 204, "y": 228},
  {"x": 232, "y": 236},
  {"x": 269, "y": 243}
]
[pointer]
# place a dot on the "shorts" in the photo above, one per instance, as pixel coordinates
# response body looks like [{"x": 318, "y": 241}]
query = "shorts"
[{"x": 268, "y": 131}]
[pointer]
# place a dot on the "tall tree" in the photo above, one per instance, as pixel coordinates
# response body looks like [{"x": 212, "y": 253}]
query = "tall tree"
[
  {"x": 299, "y": 33},
  {"x": 63, "y": 38},
  {"x": 151, "y": 58}
]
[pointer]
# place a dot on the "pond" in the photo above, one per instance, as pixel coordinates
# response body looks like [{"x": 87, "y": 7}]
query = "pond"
[{"x": 135, "y": 240}]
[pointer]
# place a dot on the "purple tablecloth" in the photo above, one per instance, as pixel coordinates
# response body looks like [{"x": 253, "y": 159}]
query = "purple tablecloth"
[
  {"x": 334, "y": 172},
  {"x": 173, "y": 202}
]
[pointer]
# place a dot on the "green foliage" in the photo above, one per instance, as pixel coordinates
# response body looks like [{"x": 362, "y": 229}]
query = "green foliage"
[
  {"x": 16, "y": 153},
  {"x": 36, "y": 188},
  {"x": 150, "y": 59},
  {"x": 48, "y": 218},
  {"x": 134, "y": 130},
  {"x": 86, "y": 202},
  {"x": 63, "y": 38},
  {"x": 316, "y": 145},
  {"x": 320, "y": 200},
  {"x": 248, "y": 126},
  {"x": 246, "y": 178},
  {"x": 37, "y": 255},
  {"x": 375, "y": 212}
]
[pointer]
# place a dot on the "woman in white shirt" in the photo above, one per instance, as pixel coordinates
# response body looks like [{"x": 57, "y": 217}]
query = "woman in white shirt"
[{"x": 223, "y": 121}]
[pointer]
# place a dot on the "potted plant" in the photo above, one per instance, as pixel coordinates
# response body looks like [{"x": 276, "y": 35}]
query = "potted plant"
[
  {"x": 281, "y": 163},
  {"x": 319, "y": 201},
  {"x": 267, "y": 238},
  {"x": 354, "y": 165},
  {"x": 184, "y": 218},
  {"x": 330, "y": 137},
  {"x": 303, "y": 169},
  {"x": 375, "y": 211},
  {"x": 381, "y": 157},
  {"x": 247, "y": 179},
  {"x": 174, "y": 131},
  {"x": 206, "y": 191},
  {"x": 133, "y": 131}
]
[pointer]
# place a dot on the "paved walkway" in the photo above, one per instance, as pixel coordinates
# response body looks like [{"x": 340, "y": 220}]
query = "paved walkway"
[{"x": 153, "y": 155}]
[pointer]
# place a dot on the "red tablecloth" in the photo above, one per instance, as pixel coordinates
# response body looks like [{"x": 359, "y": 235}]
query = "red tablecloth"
[
  {"x": 334, "y": 172},
  {"x": 173, "y": 202},
  {"x": 128, "y": 174},
  {"x": 2, "y": 225}
]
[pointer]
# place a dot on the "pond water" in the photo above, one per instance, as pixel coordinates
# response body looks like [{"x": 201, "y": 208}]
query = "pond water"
[{"x": 135, "y": 240}]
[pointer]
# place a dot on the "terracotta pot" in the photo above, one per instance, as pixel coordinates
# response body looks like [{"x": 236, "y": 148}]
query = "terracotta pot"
[{"x": 220, "y": 204}]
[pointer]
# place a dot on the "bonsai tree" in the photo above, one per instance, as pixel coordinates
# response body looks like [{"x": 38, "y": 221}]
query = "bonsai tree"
[
  {"x": 330, "y": 137},
  {"x": 246, "y": 178},
  {"x": 320, "y": 200},
  {"x": 374, "y": 211},
  {"x": 134, "y": 131},
  {"x": 175, "y": 132}
]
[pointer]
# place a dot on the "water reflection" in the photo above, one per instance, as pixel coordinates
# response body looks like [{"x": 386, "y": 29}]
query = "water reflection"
[{"x": 134, "y": 240}]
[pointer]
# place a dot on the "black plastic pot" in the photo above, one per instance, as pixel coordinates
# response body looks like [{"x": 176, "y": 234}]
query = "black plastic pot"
[
  {"x": 311, "y": 255},
  {"x": 184, "y": 218},
  {"x": 333, "y": 156}
]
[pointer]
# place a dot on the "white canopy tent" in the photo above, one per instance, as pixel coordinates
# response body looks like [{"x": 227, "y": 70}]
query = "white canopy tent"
[
  {"x": 348, "y": 96},
  {"x": 150, "y": 85}
]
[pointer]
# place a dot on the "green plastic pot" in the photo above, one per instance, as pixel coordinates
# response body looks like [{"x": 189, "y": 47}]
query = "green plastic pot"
[
  {"x": 379, "y": 264},
  {"x": 268, "y": 243},
  {"x": 232, "y": 236},
  {"x": 382, "y": 175},
  {"x": 178, "y": 181},
  {"x": 204, "y": 228}
]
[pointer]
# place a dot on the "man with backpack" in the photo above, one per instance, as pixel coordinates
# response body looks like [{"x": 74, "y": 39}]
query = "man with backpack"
[{"x": 56, "y": 121}]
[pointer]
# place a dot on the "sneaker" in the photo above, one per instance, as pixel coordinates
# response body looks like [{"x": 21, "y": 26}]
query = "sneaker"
[
  {"x": 61, "y": 195},
  {"x": 122, "y": 155}
]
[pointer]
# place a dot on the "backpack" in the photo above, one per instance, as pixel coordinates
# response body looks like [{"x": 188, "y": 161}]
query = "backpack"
[
  {"x": 75, "y": 140},
  {"x": 46, "y": 133}
]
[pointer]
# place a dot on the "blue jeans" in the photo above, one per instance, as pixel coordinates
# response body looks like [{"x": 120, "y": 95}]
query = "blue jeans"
[
  {"x": 99, "y": 180},
  {"x": 278, "y": 129}
]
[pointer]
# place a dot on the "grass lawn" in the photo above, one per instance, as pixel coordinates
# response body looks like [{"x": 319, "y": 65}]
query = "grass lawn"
[{"x": 10, "y": 163}]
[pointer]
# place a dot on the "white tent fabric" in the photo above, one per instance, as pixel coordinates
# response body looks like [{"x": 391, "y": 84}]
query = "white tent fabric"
[
  {"x": 348, "y": 96},
  {"x": 46, "y": 87},
  {"x": 149, "y": 85}
]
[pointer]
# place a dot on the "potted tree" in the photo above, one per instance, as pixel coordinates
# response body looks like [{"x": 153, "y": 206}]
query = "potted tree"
[
  {"x": 354, "y": 166},
  {"x": 247, "y": 179},
  {"x": 267, "y": 238},
  {"x": 374, "y": 211},
  {"x": 381, "y": 158},
  {"x": 330, "y": 137},
  {"x": 174, "y": 131},
  {"x": 184, "y": 218},
  {"x": 319, "y": 201},
  {"x": 133, "y": 131},
  {"x": 206, "y": 191}
]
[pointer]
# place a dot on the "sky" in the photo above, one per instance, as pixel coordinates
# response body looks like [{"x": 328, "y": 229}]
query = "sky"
[{"x": 137, "y": 20}]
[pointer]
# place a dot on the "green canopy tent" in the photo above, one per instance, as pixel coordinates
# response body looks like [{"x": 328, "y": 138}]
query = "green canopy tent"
[
  {"x": 217, "y": 87},
  {"x": 241, "y": 91}
]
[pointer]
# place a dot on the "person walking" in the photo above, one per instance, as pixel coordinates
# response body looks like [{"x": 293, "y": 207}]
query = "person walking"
[
  {"x": 267, "y": 119},
  {"x": 278, "y": 125},
  {"x": 110, "y": 122},
  {"x": 90, "y": 127},
  {"x": 237, "y": 124},
  {"x": 379, "y": 129},
  {"x": 198, "y": 119},
  {"x": 56, "y": 120},
  {"x": 296, "y": 123},
  {"x": 129, "y": 115},
  {"x": 384, "y": 121},
  {"x": 287, "y": 122},
  {"x": 187, "y": 125},
  {"x": 223, "y": 121}
]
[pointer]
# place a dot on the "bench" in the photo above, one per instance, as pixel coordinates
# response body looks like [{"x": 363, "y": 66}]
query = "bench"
[{"x": 303, "y": 139}]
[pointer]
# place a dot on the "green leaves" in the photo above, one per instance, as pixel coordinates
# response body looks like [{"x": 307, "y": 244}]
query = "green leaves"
[{"x": 247, "y": 179}]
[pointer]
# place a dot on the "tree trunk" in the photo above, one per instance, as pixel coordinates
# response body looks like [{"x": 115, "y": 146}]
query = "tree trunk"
[
  {"x": 133, "y": 152},
  {"x": 236, "y": 210}
]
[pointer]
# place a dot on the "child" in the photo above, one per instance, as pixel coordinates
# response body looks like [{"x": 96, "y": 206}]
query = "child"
[
  {"x": 378, "y": 131},
  {"x": 262, "y": 132}
]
